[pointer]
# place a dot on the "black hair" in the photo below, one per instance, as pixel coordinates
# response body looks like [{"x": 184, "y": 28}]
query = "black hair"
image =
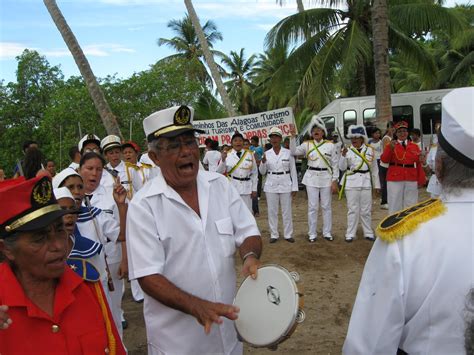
[
  {"x": 416, "y": 131},
  {"x": 89, "y": 156},
  {"x": 208, "y": 141},
  {"x": 268, "y": 146},
  {"x": 73, "y": 151},
  {"x": 255, "y": 139},
  {"x": 214, "y": 145},
  {"x": 246, "y": 140},
  {"x": 376, "y": 129},
  {"x": 27, "y": 143},
  {"x": 50, "y": 160},
  {"x": 32, "y": 163},
  {"x": 237, "y": 135}
]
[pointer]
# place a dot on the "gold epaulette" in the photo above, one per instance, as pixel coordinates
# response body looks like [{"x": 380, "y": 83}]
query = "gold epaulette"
[
  {"x": 131, "y": 165},
  {"x": 145, "y": 165},
  {"x": 398, "y": 225}
]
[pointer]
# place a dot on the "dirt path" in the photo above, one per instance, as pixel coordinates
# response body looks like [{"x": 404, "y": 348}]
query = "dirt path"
[{"x": 330, "y": 273}]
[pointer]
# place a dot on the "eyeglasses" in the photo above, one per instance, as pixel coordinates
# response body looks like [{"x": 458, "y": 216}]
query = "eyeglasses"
[
  {"x": 175, "y": 146},
  {"x": 89, "y": 150}
]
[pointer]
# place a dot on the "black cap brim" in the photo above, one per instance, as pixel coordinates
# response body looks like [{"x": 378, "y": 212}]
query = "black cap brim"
[{"x": 43, "y": 221}]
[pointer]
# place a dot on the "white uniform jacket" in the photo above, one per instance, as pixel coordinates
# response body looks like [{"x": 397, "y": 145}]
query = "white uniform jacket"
[
  {"x": 245, "y": 176},
  {"x": 412, "y": 294},
  {"x": 322, "y": 162},
  {"x": 357, "y": 173},
  {"x": 280, "y": 170},
  {"x": 212, "y": 159},
  {"x": 130, "y": 178},
  {"x": 195, "y": 253}
]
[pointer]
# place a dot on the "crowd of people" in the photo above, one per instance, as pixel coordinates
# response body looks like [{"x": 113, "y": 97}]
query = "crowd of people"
[{"x": 172, "y": 222}]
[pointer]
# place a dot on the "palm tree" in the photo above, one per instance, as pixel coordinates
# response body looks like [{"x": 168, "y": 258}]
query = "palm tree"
[
  {"x": 187, "y": 46},
  {"x": 239, "y": 84},
  {"x": 383, "y": 99},
  {"x": 340, "y": 43},
  {"x": 299, "y": 4},
  {"x": 209, "y": 58},
  {"x": 108, "y": 118}
]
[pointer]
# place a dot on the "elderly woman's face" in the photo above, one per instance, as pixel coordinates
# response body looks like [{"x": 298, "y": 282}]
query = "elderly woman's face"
[{"x": 40, "y": 254}]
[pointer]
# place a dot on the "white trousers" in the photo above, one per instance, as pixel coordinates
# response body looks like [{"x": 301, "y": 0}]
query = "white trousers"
[
  {"x": 274, "y": 200},
  {"x": 115, "y": 303},
  {"x": 401, "y": 194},
  {"x": 359, "y": 206},
  {"x": 314, "y": 195},
  {"x": 248, "y": 201},
  {"x": 137, "y": 292}
]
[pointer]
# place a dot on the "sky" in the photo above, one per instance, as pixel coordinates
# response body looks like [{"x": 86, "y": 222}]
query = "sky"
[{"x": 119, "y": 37}]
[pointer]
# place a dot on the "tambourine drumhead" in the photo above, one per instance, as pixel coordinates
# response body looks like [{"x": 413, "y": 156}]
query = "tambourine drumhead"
[{"x": 268, "y": 306}]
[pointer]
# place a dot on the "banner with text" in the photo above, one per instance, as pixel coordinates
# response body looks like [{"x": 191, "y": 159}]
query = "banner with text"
[{"x": 257, "y": 124}]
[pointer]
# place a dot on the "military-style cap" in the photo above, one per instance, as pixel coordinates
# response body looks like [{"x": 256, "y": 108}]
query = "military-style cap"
[
  {"x": 169, "y": 123},
  {"x": 275, "y": 131},
  {"x": 88, "y": 138},
  {"x": 132, "y": 145},
  {"x": 400, "y": 124},
  {"x": 355, "y": 131},
  {"x": 110, "y": 142},
  {"x": 456, "y": 135},
  {"x": 31, "y": 205}
]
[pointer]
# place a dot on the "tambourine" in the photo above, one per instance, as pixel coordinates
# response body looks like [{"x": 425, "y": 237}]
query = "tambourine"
[{"x": 270, "y": 307}]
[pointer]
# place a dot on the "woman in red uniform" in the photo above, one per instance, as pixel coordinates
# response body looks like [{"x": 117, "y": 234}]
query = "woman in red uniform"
[
  {"x": 404, "y": 170},
  {"x": 49, "y": 308}
]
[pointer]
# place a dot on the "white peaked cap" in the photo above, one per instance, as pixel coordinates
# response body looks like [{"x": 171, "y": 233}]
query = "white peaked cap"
[
  {"x": 110, "y": 142},
  {"x": 169, "y": 122},
  {"x": 318, "y": 122},
  {"x": 86, "y": 139},
  {"x": 275, "y": 131},
  {"x": 63, "y": 175},
  {"x": 358, "y": 130},
  {"x": 63, "y": 192},
  {"x": 456, "y": 136}
]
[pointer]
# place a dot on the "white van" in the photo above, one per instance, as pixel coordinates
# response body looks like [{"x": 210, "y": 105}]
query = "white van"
[{"x": 420, "y": 109}]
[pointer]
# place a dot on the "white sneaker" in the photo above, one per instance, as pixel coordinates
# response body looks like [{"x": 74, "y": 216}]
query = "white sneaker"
[{"x": 384, "y": 206}]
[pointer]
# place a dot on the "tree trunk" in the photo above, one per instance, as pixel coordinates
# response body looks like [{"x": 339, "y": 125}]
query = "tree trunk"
[
  {"x": 361, "y": 79},
  {"x": 108, "y": 118},
  {"x": 383, "y": 102},
  {"x": 209, "y": 58},
  {"x": 299, "y": 3}
]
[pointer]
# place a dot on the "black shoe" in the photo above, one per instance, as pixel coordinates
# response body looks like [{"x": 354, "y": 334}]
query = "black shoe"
[
  {"x": 290, "y": 240},
  {"x": 372, "y": 239},
  {"x": 273, "y": 240},
  {"x": 124, "y": 324}
]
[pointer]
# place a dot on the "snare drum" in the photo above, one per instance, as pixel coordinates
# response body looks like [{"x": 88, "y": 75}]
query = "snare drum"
[{"x": 270, "y": 307}]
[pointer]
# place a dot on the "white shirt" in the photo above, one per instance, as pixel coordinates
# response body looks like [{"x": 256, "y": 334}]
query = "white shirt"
[
  {"x": 434, "y": 187},
  {"x": 130, "y": 178},
  {"x": 212, "y": 159},
  {"x": 318, "y": 178},
  {"x": 247, "y": 170},
  {"x": 195, "y": 253},
  {"x": 146, "y": 159},
  {"x": 284, "y": 163},
  {"x": 413, "y": 292},
  {"x": 74, "y": 166},
  {"x": 378, "y": 148},
  {"x": 353, "y": 162}
]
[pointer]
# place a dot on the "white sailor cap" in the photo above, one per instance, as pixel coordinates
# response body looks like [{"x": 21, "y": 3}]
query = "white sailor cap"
[
  {"x": 110, "y": 142},
  {"x": 456, "y": 136},
  {"x": 63, "y": 192},
  {"x": 318, "y": 122},
  {"x": 169, "y": 123},
  {"x": 357, "y": 130},
  {"x": 63, "y": 175},
  {"x": 275, "y": 131},
  {"x": 88, "y": 138}
]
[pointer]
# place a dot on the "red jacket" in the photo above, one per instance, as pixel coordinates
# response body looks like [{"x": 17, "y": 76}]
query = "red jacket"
[
  {"x": 78, "y": 325},
  {"x": 404, "y": 162}
]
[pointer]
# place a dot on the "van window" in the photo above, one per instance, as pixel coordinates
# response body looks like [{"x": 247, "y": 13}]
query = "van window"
[
  {"x": 349, "y": 118},
  {"x": 403, "y": 113},
  {"x": 430, "y": 114},
  {"x": 370, "y": 119},
  {"x": 330, "y": 123}
]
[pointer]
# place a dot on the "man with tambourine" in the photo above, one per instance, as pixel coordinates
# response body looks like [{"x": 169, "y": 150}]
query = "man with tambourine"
[{"x": 185, "y": 226}]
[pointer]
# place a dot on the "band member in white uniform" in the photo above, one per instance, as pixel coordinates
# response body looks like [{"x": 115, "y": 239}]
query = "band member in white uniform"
[
  {"x": 361, "y": 176},
  {"x": 184, "y": 227},
  {"x": 320, "y": 177},
  {"x": 281, "y": 182},
  {"x": 241, "y": 168},
  {"x": 415, "y": 295},
  {"x": 105, "y": 222},
  {"x": 212, "y": 157},
  {"x": 130, "y": 151}
]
